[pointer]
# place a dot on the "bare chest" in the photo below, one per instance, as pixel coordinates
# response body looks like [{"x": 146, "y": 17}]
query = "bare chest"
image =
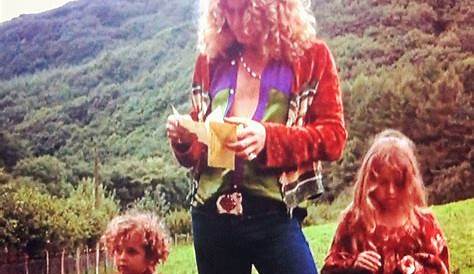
[{"x": 246, "y": 96}]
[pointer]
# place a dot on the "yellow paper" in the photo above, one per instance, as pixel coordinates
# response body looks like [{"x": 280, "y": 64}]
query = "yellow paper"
[
  {"x": 197, "y": 128},
  {"x": 214, "y": 133},
  {"x": 218, "y": 155}
]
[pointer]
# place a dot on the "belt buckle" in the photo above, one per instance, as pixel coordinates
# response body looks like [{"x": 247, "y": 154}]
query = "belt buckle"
[{"x": 230, "y": 203}]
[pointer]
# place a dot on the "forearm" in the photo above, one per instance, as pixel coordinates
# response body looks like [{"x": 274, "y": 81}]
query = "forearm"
[
  {"x": 292, "y": 146},
  {"x": 320, "y": 132}
]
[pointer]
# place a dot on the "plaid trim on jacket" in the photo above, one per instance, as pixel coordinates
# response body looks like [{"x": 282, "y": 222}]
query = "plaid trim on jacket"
[{"x": 314, "y": 131}]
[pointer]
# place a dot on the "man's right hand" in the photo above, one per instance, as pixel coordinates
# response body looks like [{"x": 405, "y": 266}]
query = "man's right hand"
[{"x": 176, "y": 133}]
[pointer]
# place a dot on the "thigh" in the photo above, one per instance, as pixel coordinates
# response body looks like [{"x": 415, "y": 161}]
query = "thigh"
[
  {"x": 284, "y": 250},
  {"x": 216, "y": 250}
]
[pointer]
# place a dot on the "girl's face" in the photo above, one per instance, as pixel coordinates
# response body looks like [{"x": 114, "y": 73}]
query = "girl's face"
[
  {"x": 234, "y": 12},
  {"x": 389, "y": 188},
  {"x": 130, "y": 257}
]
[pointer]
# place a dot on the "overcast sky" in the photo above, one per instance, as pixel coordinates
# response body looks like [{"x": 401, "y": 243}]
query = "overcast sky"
[{"x": 10, "y": 9}]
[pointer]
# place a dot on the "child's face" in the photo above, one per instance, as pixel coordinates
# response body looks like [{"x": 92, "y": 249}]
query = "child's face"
[
  {"x": 389, "y": 189},
  {"x": 130, "y": 256}
]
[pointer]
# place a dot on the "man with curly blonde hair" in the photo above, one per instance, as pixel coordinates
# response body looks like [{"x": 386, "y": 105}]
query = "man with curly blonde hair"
[
  {"x": 261, "y": 62},
  {"x": 137, "y": 242}
]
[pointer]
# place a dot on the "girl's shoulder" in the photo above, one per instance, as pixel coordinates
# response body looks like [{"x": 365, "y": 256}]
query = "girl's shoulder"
[
  {"x": 425, "y": 215},
  {"x": 427, "y": 221}
]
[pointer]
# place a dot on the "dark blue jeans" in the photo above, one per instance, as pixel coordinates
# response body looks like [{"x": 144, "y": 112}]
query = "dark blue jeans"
[{"x": 274, "y": 243}]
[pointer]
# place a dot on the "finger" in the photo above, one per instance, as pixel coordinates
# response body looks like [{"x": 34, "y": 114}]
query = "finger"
[
  {"x": 359, "y": 264},
  {"x": 368, "y": 264},
  {"x": 172, "y": 119},
  {"x": 373, "y": 254},
  {"x": 237, "y": 120},
  {"x": 245, "y": 132},
  {"x": 171, "y": 126},
  {"x": 239, "y": 146},
  {"x": 373, "y": 257},
  {"x": 246, "y": 153}
]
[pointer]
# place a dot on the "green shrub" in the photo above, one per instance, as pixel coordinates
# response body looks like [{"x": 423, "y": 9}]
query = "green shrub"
[
  {"x": 31, "y": 221},
  {"x": 326, "y": 212},
  {"x": 179, "y": 222}
]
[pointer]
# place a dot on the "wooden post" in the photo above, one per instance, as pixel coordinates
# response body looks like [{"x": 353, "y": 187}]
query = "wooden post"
[
  {"x": 97, "y": 258},
  {"x": 87, "y": 260},
  {"x": 96, "y": 178},
  {"x": 106, "y": 261},
  {"x": 62, "y": 261},
  {"x": 47, "y": 261},
  {"x": 78, "y": 260},
  {"x": 26, "y": 264}
]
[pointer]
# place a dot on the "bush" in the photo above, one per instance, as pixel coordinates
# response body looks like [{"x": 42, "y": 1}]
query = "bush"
[
  {"x": 31, "y": 221},
  {"x": 178, "y": 221},
  {"x": 326, "y": 212},
  {"x": 48, "y": 171}
]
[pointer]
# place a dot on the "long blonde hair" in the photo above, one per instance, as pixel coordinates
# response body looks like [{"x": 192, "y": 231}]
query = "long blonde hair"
[
  {"x": 393, "y": 150},
  {"x": 287, "y": 27}
]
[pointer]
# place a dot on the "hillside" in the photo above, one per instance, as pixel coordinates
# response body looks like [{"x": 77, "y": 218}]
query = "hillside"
[
  {"x": 80, "y": 30},
  {"x": 94, "y": 81}
]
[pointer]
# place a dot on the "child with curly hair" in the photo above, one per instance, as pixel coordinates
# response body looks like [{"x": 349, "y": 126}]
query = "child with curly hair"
[
  {"x": 137, "y": 242},
  {"x": 387, "y": 228}
]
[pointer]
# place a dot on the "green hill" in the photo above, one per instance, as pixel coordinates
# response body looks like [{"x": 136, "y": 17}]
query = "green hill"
[{"x": 95, "y": 80}]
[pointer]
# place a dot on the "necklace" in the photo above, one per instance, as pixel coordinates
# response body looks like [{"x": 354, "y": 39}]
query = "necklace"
[{"x": 248, "y": 68}]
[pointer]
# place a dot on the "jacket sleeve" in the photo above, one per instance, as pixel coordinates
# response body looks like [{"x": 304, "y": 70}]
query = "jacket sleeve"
[
  {"x": 324, "y": 135},
  {"x": 342, "y": 254},
  {"x": 188, "y": 155},
  {"x": 434, "y": 257}
]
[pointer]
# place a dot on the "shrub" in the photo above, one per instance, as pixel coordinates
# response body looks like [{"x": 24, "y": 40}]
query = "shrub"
[{"x": 178, "y": 221}]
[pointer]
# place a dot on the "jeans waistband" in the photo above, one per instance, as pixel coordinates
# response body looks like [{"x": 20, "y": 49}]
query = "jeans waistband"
[{"x": 251, "y": 204}]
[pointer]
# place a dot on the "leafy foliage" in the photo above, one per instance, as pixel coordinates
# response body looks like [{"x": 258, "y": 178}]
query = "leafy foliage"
[
  {"x": 31, "y": 221},
  {"x": 92, "y": 83}
]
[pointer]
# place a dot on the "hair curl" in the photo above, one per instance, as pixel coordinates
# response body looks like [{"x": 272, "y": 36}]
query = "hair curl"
[
  {"x": 287, "y": 27},
  {"x": 155, "y": 239}
]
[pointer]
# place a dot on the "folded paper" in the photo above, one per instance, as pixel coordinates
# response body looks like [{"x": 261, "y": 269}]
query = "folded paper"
[{"x": 214, "y": 133}]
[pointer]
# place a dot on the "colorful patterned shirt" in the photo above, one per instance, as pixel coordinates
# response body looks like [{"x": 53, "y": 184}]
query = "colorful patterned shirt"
[{"x": 425, "y": 243}]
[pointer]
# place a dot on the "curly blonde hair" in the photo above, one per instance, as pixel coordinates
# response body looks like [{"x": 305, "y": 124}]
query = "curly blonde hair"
[
  {"x": 287, "y": 27},
  {"x": 155, "y": 239}
]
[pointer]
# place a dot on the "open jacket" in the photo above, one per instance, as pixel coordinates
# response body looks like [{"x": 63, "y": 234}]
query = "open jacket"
[{"x": 314, "y": 130}]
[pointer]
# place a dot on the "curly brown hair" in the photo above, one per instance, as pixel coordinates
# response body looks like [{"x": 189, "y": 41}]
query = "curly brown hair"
[{"x": 148, "y": 225}]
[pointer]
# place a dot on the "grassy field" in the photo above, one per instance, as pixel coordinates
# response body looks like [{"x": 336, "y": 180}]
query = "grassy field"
[{"x": 456, "y": 220}]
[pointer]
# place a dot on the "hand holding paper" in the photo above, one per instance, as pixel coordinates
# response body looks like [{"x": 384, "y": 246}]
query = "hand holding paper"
[
  {"x": 215, "y": 134},
  {"x": 176, "y": 132},
  {"x": 251, "y": 136}
]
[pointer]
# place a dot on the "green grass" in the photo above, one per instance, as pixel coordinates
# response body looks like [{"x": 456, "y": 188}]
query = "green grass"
[{"x": 456, "y": 219}]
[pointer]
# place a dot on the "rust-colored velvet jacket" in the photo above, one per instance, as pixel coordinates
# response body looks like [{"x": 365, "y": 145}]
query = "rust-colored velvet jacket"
[{"x": 314, "y": 130}]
